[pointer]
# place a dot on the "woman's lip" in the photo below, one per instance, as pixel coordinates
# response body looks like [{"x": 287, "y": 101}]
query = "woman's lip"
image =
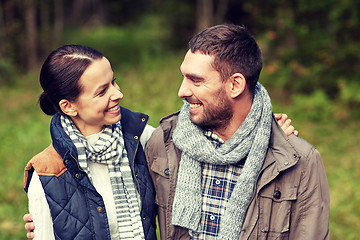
[{"x": 113, "y": 109}]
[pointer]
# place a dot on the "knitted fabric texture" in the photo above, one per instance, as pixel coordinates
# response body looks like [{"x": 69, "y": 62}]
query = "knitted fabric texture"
[
  {"x": 110, "y": 149},
  {"x": 250, "y": 141}
]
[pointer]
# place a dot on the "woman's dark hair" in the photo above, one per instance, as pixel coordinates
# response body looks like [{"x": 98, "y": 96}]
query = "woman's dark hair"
[{"x": 60, "y": 74}]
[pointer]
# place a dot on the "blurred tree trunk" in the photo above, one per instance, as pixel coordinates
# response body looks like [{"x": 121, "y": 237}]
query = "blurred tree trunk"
[
  {"x": 30, "y": 28},
  {"x": 78, "y": 12},
  {"x": 98, "y": 12},
  {"x": 209, "y": 15},
  {"x": 88, "y": 13},
  {"x": 2, "y": 32},
  {"x": 7, "y": 27},
  {"x": 221, "y": 11},
  {"x": 58, "y": 21},
  {"x": 204, "y": 14},
  {"x": 45, "y": 36}
]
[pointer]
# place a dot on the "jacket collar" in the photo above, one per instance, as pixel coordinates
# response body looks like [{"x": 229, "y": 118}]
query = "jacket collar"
[
  {"x": 61, "y": 141},
  {"x": 132, "y": 123}
]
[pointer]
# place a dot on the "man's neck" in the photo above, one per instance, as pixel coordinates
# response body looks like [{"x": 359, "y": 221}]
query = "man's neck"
[{"x": 226, "y": 132}]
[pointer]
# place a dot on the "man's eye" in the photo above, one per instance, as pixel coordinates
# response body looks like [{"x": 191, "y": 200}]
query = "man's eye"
[{"x": 196, "y": 81}]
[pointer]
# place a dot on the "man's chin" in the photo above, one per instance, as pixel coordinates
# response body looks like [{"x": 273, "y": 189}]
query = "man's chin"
[
  {"x": 194, "y": 120},
  {"x": 198, "y": 122}
]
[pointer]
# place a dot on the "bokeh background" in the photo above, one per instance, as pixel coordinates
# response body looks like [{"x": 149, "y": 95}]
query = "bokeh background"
[{"x": 311, "y": 68}]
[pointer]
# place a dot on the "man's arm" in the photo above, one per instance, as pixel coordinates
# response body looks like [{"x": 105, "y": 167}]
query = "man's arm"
[{"x": 310, "y": 213}]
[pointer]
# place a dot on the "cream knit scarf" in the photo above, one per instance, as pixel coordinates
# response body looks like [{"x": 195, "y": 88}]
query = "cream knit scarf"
[{"x": 250, "y": 141}]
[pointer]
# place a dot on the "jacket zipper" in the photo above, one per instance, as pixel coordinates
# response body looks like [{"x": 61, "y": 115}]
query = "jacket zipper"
[
  {"x": 133, "y": 167},
  {"x": 80, "y": 169}
]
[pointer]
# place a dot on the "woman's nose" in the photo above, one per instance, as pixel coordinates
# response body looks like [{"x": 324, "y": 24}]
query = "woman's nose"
[{"x": 116, "y": 94}]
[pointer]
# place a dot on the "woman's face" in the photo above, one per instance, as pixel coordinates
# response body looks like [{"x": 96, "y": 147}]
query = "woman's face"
[{"x": 98, "y": 103}]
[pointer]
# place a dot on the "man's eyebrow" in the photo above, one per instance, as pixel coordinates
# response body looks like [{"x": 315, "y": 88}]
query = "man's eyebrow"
[
  {"x": 191, "y": 76},
  {"x": 194, "y": 77}
]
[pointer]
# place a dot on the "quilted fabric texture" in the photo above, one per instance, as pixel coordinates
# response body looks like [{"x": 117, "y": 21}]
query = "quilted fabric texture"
[{"x": 73, "y": 214}]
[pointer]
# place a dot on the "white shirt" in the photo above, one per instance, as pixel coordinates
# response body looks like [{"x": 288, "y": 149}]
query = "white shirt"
[{"x": 39, "y": 207}]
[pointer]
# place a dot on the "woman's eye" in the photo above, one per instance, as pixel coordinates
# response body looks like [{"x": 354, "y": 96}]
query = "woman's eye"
[
  {"x": 113, "y": 81},
  {"x": 102, "y": 92}
]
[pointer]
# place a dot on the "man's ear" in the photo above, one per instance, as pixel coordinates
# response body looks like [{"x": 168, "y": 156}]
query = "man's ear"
[
  {"x": 67, "y": 107},
  {"x": 238, "y": 84}
]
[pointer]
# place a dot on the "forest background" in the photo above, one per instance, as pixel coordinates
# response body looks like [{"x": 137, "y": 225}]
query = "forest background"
[{"x": 311, "y": 70}]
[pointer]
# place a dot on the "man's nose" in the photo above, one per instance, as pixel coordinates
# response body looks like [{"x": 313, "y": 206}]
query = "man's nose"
[{"x": 184, "y": 90}]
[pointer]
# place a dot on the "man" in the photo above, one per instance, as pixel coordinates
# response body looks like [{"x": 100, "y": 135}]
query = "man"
[{"x": 222, "y": 167}]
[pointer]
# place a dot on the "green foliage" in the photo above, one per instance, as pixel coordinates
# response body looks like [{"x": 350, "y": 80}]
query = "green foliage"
[
  {"x": 152, "y": 86},
  {"x": 149, "y": 37},
  {"x": 23, "y": 133},
  {"x": 6, "y": 71},
  {"x": 315, "y": 107},
  {"x": 349, "y": 93},
  {"x": 316, "y": 41},
  {"x": 147, "y": 72}
]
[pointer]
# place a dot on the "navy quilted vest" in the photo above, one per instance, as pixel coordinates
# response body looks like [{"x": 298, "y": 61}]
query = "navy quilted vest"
[{"x": 77, "y": 209}]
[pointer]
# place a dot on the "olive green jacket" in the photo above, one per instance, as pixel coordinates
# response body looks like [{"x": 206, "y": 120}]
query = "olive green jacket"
[{"x": 291, "y": 200}]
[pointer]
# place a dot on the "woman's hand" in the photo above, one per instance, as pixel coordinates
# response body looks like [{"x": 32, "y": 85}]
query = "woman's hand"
[
  {"x": 29, "y": 225},
  {"x": 285, "y": 124}
]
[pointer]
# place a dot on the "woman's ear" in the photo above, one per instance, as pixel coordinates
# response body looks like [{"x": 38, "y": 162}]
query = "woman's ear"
[
  {"x": 238, "y": 84},
  {"x": 67, "y": 107}
]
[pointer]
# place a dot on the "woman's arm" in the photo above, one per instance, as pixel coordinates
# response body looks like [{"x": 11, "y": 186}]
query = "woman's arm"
[{"x": 40, "y": 211}]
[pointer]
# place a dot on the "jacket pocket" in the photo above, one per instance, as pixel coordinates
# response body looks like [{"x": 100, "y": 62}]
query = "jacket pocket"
[
  {"x": 275, "y": 211},
  {"x": 160, "y": 167}
]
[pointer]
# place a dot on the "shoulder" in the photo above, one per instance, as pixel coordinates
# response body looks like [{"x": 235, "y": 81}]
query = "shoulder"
[
  {"x": 295, "y": 152},
  {"x": 128, "y": 116},
  {"x": 47, "y": 163},
  {"x": 164, "y": 131},
  {"x": 302, "y": 147},
  {"x": 160, "y": 137},
  {"x": 133, "y": 123}
]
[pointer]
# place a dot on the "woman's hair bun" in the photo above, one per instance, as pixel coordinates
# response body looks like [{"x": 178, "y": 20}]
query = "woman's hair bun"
[{"x": 46, "y": 105}]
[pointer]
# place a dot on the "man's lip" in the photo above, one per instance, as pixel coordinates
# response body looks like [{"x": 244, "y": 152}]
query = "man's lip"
[{"x": 195, "y": 105}]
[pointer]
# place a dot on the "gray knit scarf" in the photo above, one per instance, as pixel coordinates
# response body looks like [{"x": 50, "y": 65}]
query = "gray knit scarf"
[
  {"x": 110, "y": 149},
  {"x": 250, "y": 141}
]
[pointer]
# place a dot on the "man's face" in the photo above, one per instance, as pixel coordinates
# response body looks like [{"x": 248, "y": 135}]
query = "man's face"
[{"x": 203, "y": 89}]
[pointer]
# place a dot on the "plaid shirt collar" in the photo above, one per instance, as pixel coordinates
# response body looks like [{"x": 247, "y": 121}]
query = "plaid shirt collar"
[{"x": 213, "y": 137}]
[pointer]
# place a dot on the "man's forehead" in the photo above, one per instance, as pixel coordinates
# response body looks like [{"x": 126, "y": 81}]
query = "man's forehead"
[{"x": 197, "y": 61}]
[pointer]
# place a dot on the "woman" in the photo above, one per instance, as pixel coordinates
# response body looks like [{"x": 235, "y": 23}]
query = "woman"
[{"x": 92, "y": 182}]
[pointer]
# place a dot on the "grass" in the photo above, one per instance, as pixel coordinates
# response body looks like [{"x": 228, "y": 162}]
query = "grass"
[{"x": 151, "y": 87}]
